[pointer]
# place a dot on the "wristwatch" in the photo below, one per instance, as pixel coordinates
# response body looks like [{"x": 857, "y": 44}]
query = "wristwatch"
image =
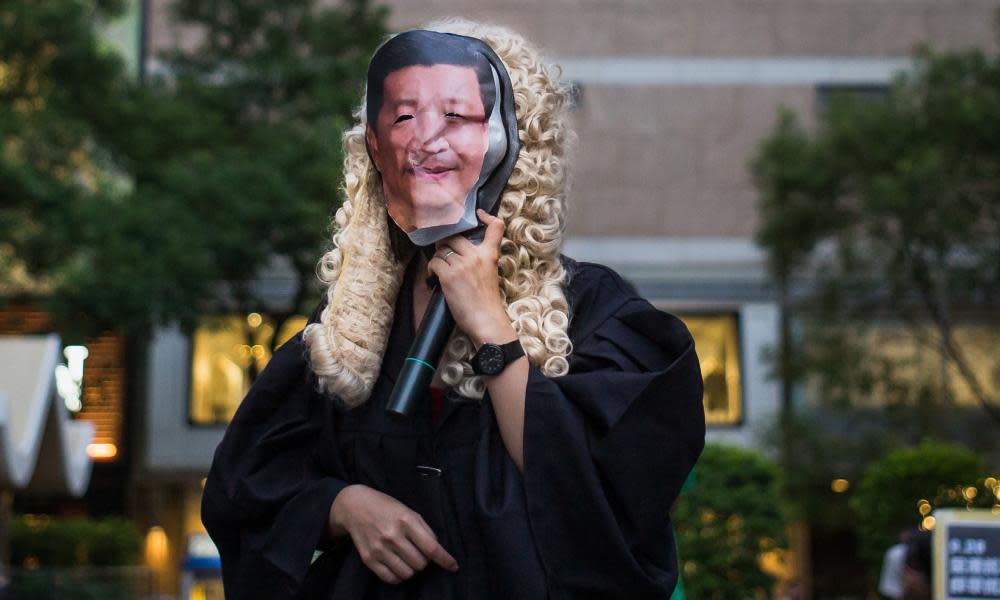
[{"x": 492, "y": 359}]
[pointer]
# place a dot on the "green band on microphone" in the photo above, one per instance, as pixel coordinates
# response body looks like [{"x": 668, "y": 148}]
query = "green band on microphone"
[{"x": 421, "y": 362}]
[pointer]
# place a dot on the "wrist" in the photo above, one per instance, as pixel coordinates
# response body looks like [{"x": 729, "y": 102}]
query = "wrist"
[
  {"x": 340, "y": 511},
  {"x": 495, "y": 331}
]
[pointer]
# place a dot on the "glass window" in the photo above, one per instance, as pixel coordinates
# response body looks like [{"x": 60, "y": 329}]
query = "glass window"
[
  {"x": 717, "y": 343},
  {"x": 226, "y": 354},
  {"x": 890, "y": 363}
]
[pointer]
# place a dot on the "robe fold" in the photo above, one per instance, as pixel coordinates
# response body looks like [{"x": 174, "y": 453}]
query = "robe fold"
[{"x": 607, "y": 448}]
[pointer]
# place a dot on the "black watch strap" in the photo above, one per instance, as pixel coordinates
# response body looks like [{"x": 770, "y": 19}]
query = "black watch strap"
[
  {"x": 492, "y": 359},
  {"x": 512, "y": 351}
]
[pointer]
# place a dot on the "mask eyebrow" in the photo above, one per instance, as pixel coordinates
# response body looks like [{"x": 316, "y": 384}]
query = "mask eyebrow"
[
  {"x": 403, "y": 102},
  {"x": 463, "y": 104}
]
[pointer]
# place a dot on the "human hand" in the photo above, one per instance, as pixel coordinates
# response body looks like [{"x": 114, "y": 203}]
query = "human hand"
[
  {"x": 393, "y": 541},
  {"x": 468, "y": 277}
]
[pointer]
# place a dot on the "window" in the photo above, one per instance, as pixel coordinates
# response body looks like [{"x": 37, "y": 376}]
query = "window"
[
  {"x": 890, "y": 363},
  {"x": 226, "y": 352},
  {"x": 717, "y": 343}
]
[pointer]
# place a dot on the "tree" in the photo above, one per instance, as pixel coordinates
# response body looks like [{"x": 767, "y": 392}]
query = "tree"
[
  {"x": 272, "y": 86},
  {"x": 901, "y": 490},
  {"x": 128, "y": 204},
  {"x": 889, "y": 211},
  {"x": 731, "y": 515}
]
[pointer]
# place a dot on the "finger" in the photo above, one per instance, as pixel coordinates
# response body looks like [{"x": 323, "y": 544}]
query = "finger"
[
  {"x": 442, "y": 247},
  {"x": 494, "y": 228},
  {"x": 435, "y": 264},
  {"x": 398, "y": 566},
  {"x": 384, "y": 573},
  {"x": 424, "y": 539},
  {"x": 411, "y": 556},
  {"x": 461, "y": 245}
]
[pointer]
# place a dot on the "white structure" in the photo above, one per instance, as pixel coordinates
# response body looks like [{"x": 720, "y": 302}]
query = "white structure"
[{"x": 41, "y": 448}]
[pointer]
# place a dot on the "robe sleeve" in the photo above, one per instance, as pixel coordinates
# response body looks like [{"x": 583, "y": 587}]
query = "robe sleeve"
[
  {"x": 271, "y": 484},
  {"x": 607, "y": 448}
]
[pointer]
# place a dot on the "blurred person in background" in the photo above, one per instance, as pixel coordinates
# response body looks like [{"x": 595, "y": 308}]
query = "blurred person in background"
[
  {"x": 890, "y": 583},
  {"x": 917, "y": 567}
]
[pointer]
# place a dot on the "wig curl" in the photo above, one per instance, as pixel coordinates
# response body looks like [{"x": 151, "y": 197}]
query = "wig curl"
[{"x": 363, "y": 274}]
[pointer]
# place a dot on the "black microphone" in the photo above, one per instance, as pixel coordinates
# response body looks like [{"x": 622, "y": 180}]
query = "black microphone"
[{"x": 420, "y": 363}]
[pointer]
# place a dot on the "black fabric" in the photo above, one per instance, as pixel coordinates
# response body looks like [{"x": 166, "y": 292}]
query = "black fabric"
[{"x": 606, "y": 450}]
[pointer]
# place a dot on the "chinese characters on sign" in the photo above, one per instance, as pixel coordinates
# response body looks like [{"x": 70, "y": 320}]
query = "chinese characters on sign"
[{"x": 969, "y": 555}]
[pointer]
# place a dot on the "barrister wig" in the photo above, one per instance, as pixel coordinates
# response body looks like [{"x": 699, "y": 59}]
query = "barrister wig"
[{"x": 363, "y": 273}]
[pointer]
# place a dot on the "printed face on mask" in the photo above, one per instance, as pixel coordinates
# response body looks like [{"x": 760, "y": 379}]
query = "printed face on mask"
[{"x": 429, "y": 142}]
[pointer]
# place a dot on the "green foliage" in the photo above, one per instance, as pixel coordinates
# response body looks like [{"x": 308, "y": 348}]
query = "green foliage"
[
  {"x": 731, "y": 514},
  {"x": 54, "y": 542},
  {"x": 126, "y": 204},
  {"x": 888, "y": 497},
  {"x": 888, "y": 212},
  {"x": 824, "y": 445},
  {"x": 77, "y": 585}
]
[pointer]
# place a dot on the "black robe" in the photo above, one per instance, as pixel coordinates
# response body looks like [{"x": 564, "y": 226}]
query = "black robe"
[{"x": 606, "y": 450}]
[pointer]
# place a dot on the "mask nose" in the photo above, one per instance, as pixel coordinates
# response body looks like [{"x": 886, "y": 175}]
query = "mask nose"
[{"x": 428, "y": 135}]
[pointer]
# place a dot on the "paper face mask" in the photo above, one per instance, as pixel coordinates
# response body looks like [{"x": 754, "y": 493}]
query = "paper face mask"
[{"x": 440, "y": 117}]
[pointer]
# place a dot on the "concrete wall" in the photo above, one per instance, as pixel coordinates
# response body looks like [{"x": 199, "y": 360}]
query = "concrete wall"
[{"x": 172, "y": 447}]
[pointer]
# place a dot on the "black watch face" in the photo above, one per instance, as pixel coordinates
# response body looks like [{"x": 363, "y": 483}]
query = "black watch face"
[{"x": 490, "y": 359}]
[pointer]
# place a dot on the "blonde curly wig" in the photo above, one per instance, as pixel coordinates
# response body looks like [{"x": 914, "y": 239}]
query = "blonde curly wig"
[{"x": 363, "y": 275}]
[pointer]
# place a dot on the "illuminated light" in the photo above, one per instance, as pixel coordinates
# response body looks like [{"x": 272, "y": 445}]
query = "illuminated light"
[
  {"x": 98, "y": 451},
  {"x": 68, "y": 389},
  {"x": 75, "y": 355},
  {"x": 204, "y": 480},
  {"x": 970, "y": 492},
  {"x": 839, "y": 486},
  {"x": 922, "y": 502},
  {"x": 928, "y": 523},
  {"x": 156, "y": 549},
  {"x": 245, "y": 350},
  {"x": 36, "y": 522},
  {"x": 774, "y": 563},
  {"x": 258, "y": 351},
  {"x": 990, "y": 482},
  {"x": 254, "y": 319},
  {"x": 690, "y": 567},
  {"x": 31, "y": 562},
  {"x": 925, "y": 508}
]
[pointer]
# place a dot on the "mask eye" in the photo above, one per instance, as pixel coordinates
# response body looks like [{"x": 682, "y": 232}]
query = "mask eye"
[{"x": 402, "y": 118}]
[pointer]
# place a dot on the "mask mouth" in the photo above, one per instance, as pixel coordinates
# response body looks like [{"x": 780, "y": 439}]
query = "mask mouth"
[{"x": 432, "y": 165}]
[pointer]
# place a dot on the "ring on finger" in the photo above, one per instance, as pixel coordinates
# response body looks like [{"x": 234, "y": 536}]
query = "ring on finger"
[{"x": 445, "y": 256}]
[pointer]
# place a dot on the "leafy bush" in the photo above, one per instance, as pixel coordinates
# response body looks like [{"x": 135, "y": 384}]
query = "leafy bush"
[
  {"x": 891, "y": 492},
  {"x": 53, "y": 542},
  {"x": 732, "y": 514}
]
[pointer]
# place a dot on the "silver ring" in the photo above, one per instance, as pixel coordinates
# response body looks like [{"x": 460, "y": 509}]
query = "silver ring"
[{"x": 445, "y": 257}]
